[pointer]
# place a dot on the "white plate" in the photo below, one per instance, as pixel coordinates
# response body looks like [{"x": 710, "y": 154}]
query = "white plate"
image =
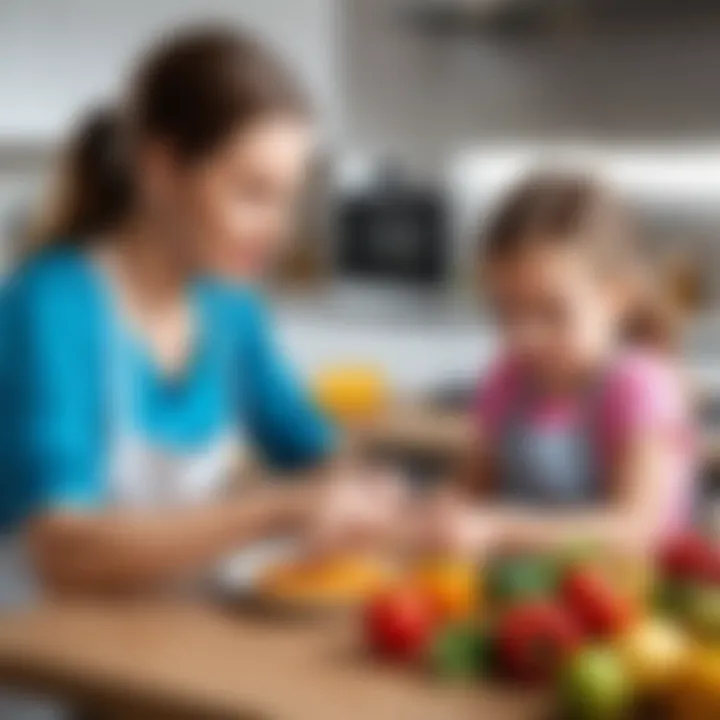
[
  {"x": 239, "y": 578},
  {"x": 239, "y": 573}
]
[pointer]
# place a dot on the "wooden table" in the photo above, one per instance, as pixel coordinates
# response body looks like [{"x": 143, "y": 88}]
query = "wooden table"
[
  {"x": 416, "y": 429},
  {"x": 193, "y": 661}
]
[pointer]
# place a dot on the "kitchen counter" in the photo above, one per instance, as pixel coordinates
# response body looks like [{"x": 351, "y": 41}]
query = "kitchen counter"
[
  {"x": 424, "y": 341},
  {"x": 187, "y": 661}
]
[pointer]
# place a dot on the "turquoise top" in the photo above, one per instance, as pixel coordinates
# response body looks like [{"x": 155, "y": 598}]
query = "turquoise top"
[{"x": 54, "y": 321}]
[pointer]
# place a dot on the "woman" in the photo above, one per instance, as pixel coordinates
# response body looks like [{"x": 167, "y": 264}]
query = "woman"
[{"x": 134, "y": 368}]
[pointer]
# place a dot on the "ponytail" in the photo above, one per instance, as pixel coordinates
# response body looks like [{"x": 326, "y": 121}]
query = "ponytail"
[
  {"x": 92, "y": 191},
  {"x": 653, "y": 321},
  {"x": 660, "y": 304}
]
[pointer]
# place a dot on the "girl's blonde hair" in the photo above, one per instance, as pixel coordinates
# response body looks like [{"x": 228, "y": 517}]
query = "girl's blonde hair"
[{"x": 574, "y": 210}]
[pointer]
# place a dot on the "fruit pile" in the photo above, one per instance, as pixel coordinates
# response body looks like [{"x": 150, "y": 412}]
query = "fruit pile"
[
  {"x": 689, "y": 587},
  {"x": 604, "y": 631}
]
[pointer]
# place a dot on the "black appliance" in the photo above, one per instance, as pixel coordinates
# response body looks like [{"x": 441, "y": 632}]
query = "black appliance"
[{"x": 393, "y": 231}]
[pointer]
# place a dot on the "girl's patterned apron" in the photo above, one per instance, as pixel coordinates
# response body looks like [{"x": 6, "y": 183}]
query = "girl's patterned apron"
[{"x": 551, "y": 464}]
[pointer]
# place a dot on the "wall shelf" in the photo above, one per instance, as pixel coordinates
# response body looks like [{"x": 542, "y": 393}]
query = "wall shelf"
[{"x": 529, "y": 18}]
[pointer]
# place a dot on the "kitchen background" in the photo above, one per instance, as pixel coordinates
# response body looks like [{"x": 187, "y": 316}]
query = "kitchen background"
[{"x": 427, "y": 108}]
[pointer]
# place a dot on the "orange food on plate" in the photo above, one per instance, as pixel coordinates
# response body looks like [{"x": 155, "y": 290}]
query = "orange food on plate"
[{"x": 339, "y": 580}]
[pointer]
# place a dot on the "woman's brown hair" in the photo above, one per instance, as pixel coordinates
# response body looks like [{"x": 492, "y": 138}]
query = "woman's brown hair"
[
  {"x": 191, "y": 92},
  {"x": 574, "y": 210}
]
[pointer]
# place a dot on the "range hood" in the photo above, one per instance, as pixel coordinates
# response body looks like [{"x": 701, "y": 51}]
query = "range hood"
[{"x": 520, "y": 17}]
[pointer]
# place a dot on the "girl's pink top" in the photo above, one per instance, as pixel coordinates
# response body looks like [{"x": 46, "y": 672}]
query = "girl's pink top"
[{"x": 641, "y": 393}]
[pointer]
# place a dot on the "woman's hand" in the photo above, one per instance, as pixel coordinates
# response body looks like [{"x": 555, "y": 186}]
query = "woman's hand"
[
  {"x": 446, "y": 524},
  {"x": 355, "y": 507}
]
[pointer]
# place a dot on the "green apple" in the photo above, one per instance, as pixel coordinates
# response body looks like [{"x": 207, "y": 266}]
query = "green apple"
[
  {"x": 671, "y": 597},
  {"x": 515, "y": 578},
  {"x": 595, "y": 686},
  {"x": 460, "y": 651}
]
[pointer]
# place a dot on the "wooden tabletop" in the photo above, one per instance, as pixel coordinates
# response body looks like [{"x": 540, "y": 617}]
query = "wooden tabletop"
[
  {"x": 198, "y": 661},
  {"x": 419, "y": 429}
]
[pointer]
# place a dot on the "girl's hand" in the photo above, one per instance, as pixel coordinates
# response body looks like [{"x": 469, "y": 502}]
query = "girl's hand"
[
  {"x": 357, "y": 507},
  {"x": 446, "y": 525}
]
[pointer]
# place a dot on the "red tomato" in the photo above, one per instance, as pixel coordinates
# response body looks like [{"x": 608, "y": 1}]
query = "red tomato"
[
  {"x": 535, "y": 639},
  {"x": 399, "y": 623},
  {"x": 597, "y": 607},
  {"x": 715, "y": 570},
  {"x": 689, "y": 557}
]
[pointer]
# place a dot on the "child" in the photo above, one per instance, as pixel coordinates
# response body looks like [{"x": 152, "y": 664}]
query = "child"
[{"x": 582, "y": 423}]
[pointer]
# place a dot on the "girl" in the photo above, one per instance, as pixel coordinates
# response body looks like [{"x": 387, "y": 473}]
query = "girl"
[
  {"x": 582, "y": 423},
  {"x": 131, "y": 372}
]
